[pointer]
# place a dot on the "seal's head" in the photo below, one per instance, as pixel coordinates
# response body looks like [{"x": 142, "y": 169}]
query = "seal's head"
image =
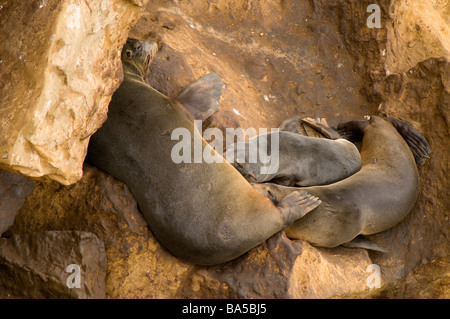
[
  {"x": 374, "y": 120},
  {"x": 242, "y": 163},
  {"x": 137, "y": 55}
]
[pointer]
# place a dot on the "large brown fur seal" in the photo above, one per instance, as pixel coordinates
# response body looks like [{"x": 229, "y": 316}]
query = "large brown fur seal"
[
  {"x": 203, "y": 213},
  {"x": 374, "y": 199}
]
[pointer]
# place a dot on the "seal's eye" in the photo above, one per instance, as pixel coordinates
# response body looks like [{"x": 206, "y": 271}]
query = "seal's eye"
[
  {"x": 271, "y": 196},
  {"x": 240, "y": 167},
  {"x": 129, "y": 53}
]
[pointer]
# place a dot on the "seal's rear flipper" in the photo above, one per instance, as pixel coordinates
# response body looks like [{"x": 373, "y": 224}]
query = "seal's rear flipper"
[
  {"x": 296, "y": 205},
  {"x": 296, "y": 124},
  {"x": 293, "y": 124},
  {"x": 416, "y": 142},
  {"x": 201, "y": 98},
  {"x": 363, "y": 242},
  {"x": 325, "y": 130}
]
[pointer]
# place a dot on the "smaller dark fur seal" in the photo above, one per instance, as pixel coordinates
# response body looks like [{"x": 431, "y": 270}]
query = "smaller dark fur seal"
[{"x": 302, "y": 160}]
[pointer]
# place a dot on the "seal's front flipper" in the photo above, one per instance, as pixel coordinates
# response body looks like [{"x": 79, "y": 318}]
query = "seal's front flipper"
[
  {"x": 201, "y": 98},
  {"x": 296, "y": 205},
  {"x": 363, "y": 242},
  {"x": 416, "y": 142},
  {"x": 325, "y": 130}
]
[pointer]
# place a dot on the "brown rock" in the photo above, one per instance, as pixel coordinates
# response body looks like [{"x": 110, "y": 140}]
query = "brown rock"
[
  {"x": 421, "y": 96},
  {"x": 418, "y": 31},
  {"x": 14, "y": 188},
  {"x": 267, "y": 78},
  {"x": 46, "y": 264},
  {"x": 282, "y": 268},
  {"x": 59, "y": 65},
  {"x": 428, "y": 281},
  {"x": 139, "y": 267}
]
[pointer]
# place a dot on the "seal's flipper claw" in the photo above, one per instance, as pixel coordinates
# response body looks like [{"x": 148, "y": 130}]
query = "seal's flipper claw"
[
  {"x": 201, "y": 98},
  {"x": 325, "y": 130},
  {"x": 296, "y": 205},
  {"x": 363, "y": 242},
  {"x": 416, "y": 142}
]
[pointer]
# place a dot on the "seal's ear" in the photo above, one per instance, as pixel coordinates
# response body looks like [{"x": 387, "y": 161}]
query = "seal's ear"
[{"x": 129, "y": 53}]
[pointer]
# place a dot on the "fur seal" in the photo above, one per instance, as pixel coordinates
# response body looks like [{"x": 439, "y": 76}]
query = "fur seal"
[
  {"x": 204, "y": 213},
  {"x": 302, "y": 160},
  {"x": 374, "y": 199}
]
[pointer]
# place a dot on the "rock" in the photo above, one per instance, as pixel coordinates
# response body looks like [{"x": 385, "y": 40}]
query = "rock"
[
  {"x": 281, "y": 268},
  {"x": 139, "y": 267},
  {"x": 418, "y": 31},
  {"x": 46, "y": 265},
  {"x": 267, "y": 78},
  {"x": 412, "y": 83},
  {"x": 366, "y": 45},
  {"x": 14, "y": 188},
  {"x": 428, "y": 281},
  {"x": 421, "y": 96},
  {"x": 59, "y": 66}
]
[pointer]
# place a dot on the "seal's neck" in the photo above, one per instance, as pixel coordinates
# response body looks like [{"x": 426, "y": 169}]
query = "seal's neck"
[{"x": 133, "y": 70}]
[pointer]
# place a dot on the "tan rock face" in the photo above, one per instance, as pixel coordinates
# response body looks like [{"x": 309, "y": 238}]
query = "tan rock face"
[
  {"x": 59, "y": 65},
  {"x": 418, "y": 31}
]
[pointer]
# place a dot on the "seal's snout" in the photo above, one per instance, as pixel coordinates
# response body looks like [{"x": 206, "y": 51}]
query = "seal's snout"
[
  {"x": 149, "y": 50},
  {"x": 143, "y": 51},
  {"x": 139, "y": 54}
]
